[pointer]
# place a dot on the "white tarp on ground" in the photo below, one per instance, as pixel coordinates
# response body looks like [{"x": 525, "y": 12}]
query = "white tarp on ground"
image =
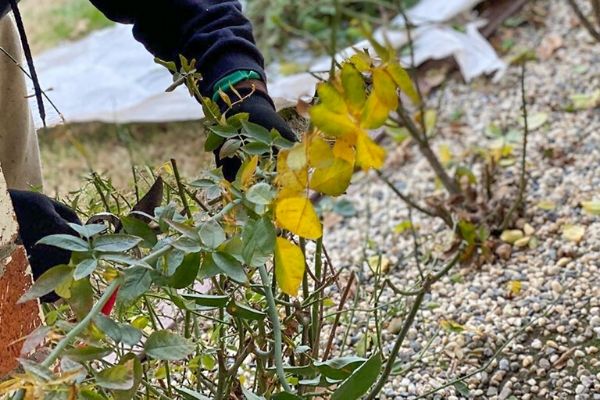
[{"x": 110, "y": 77}]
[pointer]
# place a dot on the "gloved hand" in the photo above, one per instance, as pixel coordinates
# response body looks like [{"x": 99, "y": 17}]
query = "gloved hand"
[
  {"x": 38, "y": 216},
  {"x": 262, "y": 112}
]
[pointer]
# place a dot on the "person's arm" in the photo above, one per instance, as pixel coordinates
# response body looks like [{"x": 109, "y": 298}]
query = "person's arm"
[{"x": 213, "y": 32}]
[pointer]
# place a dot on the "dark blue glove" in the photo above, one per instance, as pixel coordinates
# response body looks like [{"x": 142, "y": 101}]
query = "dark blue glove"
[
  {"x": 39, "y": 216},
  {"x": 262, "y": 112}
]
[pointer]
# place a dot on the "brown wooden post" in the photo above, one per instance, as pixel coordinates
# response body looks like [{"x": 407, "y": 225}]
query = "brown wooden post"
[{"x": 16, "y": 320}]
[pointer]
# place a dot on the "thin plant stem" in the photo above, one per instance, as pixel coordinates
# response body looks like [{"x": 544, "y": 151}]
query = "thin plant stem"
[
  {"x": 181, "y": 189},
  {"x": 450, "y": 184},
  {"x": 272, "y": 311},
  {"x": 60, "y": 347},
  {"x": 316, "y": 320},
  {"x": 523, "y": 176},
  {"x": 337, "y": 316},
  {"x": 584, "y": 20},
  {"x": 389, "y": 365},
  {"x": 408, "y": 323}
]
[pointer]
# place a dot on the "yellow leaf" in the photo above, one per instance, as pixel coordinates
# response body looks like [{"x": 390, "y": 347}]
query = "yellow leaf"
[
  {"x": 331, "y": 123},
  {"x": 445, "y": 154},
  {"x": 354, "y": 88},
  {"x": 320, "y": 154},
  {"x": 296, "y": 159},
  {"x": 384, "y": 87},
  {"x": 345, "y": 150},
  {"x": 368, "y": 153},
  {"x": 332, "y": 180},
  {"x": 379, "y": 264},
  {"x": 573, "y": 233},
  {"x": 591, "y": 207},
  {"x": 546, "y": 205},
  {"x": 289, "y": 266},
  {"x": 403, "y": 227},
  {"x": 361, "y": 61},
  {"x": 291, "y": 183},
  {"x": 375, "y": 113},
  {"x": 246, "y": 172},
  {"x": 297, "y": 215},
  {"x": 404, "y": 82},
  {"x": 514, "y": 287},
  {"x": 331, "y": 98}
]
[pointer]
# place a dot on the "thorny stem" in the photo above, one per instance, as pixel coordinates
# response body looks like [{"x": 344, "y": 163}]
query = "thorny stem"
[
  {"x": 272, "y": 311},
  {"x": 523, "y": 178},
  {"x": 449, "y": 183},
  {"x": 82, "y": 324}
]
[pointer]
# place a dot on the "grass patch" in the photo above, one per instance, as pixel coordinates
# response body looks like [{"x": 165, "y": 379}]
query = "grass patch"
[
  {"x": 72, "y": 151},
  {"x": 49, "y": 22}
]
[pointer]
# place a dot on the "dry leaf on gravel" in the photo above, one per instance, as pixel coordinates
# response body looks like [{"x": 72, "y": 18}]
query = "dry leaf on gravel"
[{"x": 550, "y": 43}]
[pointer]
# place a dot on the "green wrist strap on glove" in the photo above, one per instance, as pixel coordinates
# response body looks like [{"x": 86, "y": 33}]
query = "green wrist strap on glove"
[{"x": 233, "y": 79}]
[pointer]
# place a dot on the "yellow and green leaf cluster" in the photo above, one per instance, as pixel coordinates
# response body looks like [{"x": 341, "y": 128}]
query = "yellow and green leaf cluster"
[{"x": 324, "y": 161}]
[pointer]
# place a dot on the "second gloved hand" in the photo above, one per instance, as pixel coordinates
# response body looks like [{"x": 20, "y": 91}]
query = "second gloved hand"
[
  {"x": 39, "y": 216},
  {"x": 261, "y": 111}
]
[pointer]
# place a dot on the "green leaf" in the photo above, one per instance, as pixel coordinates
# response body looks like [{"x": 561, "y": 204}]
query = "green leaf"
[
  {"x": 115, "y": 243},
  {"x": 258, "y": 240},
  {"x": 206, "y": 300},
  {"x": 137, "y": 282},
  {"x": 136, "y": 227},
  {"x": 168, "y": 346},
  {"x": 66, "y": 242},
  {"x": 82, "y": 298},
  {"x": 119, "y": 377},
  {"x": 184, "y": 229},
  {"x": 360, "y": 381},
  {"x": 229, "y": 148},
  {"x": 462, "y": 389},
  {"x": 85, "y": 268},
  {"x": 261, "y": 193},
  {"x": 212, "y": 234},
  {"x": 187, "y": 272},
  {"x": 188, "y": 394},
  {"x": 224, "y": 131},
  {"x": 130, "y": 335},
  {"x": 339, "y": 368},
  {"x": 251, "y": 396},
  {"x": 88, "y": 231},
  {"x": 87, "y": 353},
  {"x": 245, "y": 312},
  {"x": 208, "y": 268},
  {"x": 256, "y": 148},
  {"x": 231, "y": 267},
  {"x": 257, "y": 132},
  {"x": 285, "y": 396},
  {"x": 47, "y": 282},
  {"x": 108, "y": 327},
  {"x": 187, "y": 245},
  {"x": 213, "y": 142}
]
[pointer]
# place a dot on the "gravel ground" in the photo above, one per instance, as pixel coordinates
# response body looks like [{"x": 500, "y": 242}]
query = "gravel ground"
[{"x": 553, "y": 324}]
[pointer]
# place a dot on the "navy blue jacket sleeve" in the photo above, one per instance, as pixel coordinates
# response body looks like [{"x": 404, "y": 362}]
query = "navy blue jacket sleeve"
[{"x": 213, "y": 32}]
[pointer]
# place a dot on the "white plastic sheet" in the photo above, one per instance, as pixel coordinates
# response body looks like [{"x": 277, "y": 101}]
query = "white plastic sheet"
[{"x": 110, "y": 77}]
